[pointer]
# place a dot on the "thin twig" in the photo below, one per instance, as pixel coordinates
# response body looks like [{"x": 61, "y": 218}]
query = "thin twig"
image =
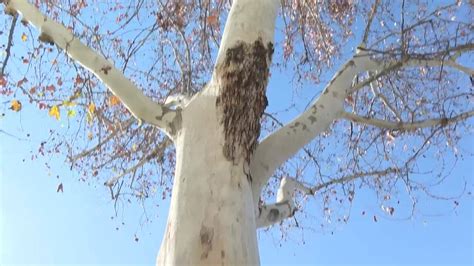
[
  {"x": 349, "y": 178},
  {"x": 369, "y": 23},
  {"x": 160, "y": 148},
  {"x": 9, "y": 45},
  {"x": 406, "y": 126}
]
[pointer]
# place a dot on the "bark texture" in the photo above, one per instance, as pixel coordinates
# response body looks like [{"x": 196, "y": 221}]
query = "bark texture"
[{"x": 243, "y": 78}]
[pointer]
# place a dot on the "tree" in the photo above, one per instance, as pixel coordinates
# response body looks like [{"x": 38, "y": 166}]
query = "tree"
[{"x": 172, "y": 116}]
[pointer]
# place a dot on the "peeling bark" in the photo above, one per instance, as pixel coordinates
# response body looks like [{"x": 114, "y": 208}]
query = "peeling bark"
[{"x": 243, "y": 78}]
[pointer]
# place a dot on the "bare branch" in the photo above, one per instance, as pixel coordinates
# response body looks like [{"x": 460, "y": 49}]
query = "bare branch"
[
  {"x": 142, "y": 162},
  {"x": 379, "y": 74},
  {"x": 9, "y": 45},
  {"x": 141, "y": 106},
  {"x": 441, "y": 62},
  {"x": 376, "y": 92},
  {"x": 382, "y": 68},
  {"x": 84, "y": 153},
  {"x": 349, "y": 178},
  {"x": 405, "y": 126},
  {"x": 369, "y": 23}
]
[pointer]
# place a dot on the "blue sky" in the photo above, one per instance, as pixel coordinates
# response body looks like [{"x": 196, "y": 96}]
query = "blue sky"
[{"x": 40, "y": 226}]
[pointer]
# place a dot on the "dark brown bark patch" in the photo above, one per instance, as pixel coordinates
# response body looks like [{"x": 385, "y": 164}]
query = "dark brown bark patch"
[
  {"x": 43, "y": 37},
  {"x": 206, "y": 234},
  {"x": 273, "y": 215},
  {"x": 243, "y": 77}
]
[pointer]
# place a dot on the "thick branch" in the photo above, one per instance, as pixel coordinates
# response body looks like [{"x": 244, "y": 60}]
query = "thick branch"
[
  {"x": 141, "y": 106},
  {"x": 279, "y": 146},
  {"x": 349, "y": 178},
  {"x": 440, "y": 62},
  {"x": 369, "y": 23},
  {"x": 382, "y": 68},
  {"x": 405, "y": 126},
  {"x": 384, "y": 71},
  {"x": 284, "y": 206},
  {"x": 248, "y": 21}
]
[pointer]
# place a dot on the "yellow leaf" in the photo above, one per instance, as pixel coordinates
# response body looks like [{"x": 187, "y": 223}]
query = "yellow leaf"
[
  {"x": 91, "y": 108},
  {"x": 89, "y": 135},
  {"x": 54, "y": 112},
  {"x": 90, "y": 113},
  {"x": 113, "y": 100},
  {"x": 69, "y": 103},
  {"x": 15, "y": 105},
  {"x": 75, "y": 96},
  {"x": 24, "y": 37},
  {"x": 71, "y": 113}
]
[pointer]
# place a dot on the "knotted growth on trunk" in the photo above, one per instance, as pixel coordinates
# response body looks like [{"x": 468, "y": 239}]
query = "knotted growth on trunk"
[{"x": 243, "y": 78}]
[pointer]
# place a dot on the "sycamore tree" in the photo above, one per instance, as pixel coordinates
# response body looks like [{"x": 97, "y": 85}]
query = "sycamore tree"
[{"x": 168, "y": 97}]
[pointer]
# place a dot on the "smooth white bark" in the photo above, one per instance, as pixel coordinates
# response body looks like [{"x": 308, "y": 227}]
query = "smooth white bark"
[
  {"x": 211, "y": 219},
  {"x": 248, "y": 21}
]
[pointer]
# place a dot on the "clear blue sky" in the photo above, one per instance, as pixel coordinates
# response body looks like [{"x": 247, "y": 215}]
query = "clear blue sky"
[{"x": 40, "y": 226}]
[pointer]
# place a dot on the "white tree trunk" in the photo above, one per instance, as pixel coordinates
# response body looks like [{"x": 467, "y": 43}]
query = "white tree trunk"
[
  {"x": 212, "y": 213},
  {"x": 211, "y": 218}
]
